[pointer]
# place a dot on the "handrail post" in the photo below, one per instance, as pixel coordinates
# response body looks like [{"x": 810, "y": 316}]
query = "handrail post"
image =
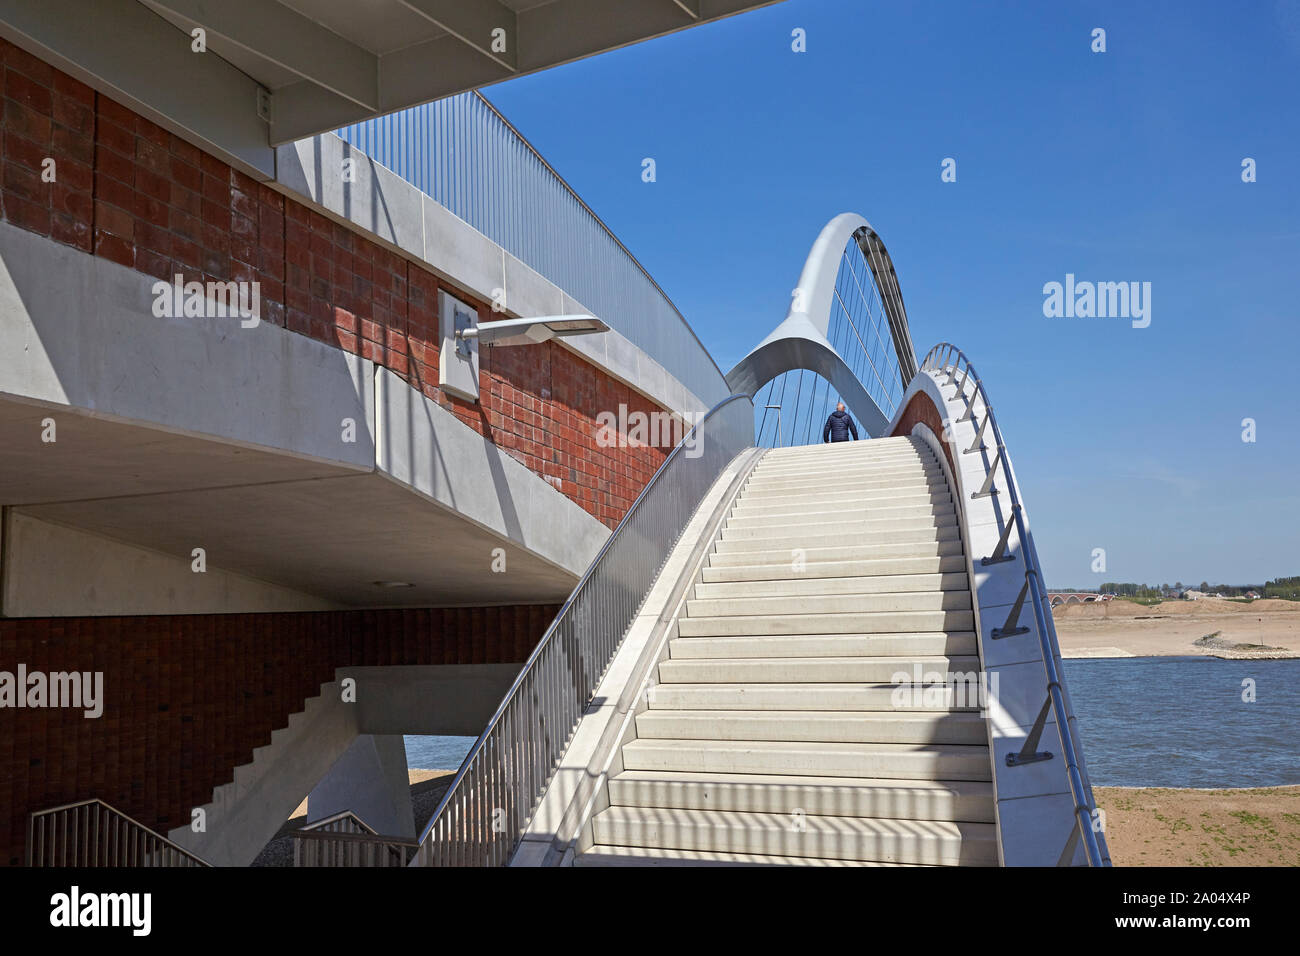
[
  {"x": 1031, "y": 590},
  {"x": 1012, "y": 626},
  {"x": 1000, "y": 553}
]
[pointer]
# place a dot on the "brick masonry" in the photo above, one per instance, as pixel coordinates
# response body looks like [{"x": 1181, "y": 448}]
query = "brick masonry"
[
  {"x": 188, "y": 698},
  {"x": 129, "y": 191},
  {"x": 921, "y": 411}
]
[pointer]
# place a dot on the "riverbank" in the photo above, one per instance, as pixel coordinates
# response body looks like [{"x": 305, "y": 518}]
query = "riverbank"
[
  {"x": 1159, "y": 827},
  {"x": 1211, "y": 627}
]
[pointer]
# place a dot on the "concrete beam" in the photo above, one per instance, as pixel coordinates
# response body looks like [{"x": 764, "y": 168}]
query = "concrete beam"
[
  {"x": 475, "y": 24},
  {"x": 372, "y": 781},
  {"x": 176, "y": 433},
  {"x": 139, "y": 59},
  {"x": 288, "y": 39},
  {"x": 52, "y": 570}
]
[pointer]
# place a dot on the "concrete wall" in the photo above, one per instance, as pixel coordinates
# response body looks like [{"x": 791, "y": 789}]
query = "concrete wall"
[{"x": 51, "y": 570}]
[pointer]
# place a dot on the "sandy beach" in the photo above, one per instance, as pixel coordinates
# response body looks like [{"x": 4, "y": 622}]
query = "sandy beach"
[
  {"x": 1118, "y": 628},
  {"x": 1155, "y": 827}
]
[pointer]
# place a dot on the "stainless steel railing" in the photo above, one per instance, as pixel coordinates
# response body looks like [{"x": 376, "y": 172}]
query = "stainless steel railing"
[
  {"x": 344, "y": 839},
  {"x": 946, "y": 357},
  {"x": 494, "y": 794},
  {"x": 91, "y": 833}
]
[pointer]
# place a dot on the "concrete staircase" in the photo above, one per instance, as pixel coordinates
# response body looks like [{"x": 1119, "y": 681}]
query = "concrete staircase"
[{"x": 774, "y": 734}]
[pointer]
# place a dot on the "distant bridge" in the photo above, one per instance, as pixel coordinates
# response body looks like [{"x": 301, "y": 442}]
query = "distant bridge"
[{"x": 1076, "y": 597}]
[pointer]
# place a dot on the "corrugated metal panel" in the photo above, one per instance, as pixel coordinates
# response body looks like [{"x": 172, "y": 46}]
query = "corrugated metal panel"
[{"x": 466, "y": 156}]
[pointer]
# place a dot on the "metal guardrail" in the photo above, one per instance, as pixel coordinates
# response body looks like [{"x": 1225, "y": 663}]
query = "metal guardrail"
[
  {"x": 946, "y": 357},
  {"x": 91, "y": 833},
  {"x": 344, "y": 839},
  {"x": 484, "y": 812}
]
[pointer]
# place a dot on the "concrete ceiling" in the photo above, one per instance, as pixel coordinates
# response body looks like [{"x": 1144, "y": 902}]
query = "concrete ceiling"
[
  {"x": 321, "y": 529},
  {"x": 325, "y": 63}
]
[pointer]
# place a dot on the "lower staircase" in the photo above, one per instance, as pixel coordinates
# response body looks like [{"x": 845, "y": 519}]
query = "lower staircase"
[{"x": 779, "y": 732}]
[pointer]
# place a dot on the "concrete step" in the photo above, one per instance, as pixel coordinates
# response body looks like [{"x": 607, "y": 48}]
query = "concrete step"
[
  {"x": 601, "y": 855},
  {"x": 832, "y": 525},
  {"x": 876, "y": 567},
  {"x": 853, "y": 506},
  {"x": 763, "y": 604},
  {"x": 842, "y": 494},
  {"x": 845, "y": 838},
  {"x": 841, "y": 450},
  {"x": 863, "y": 727},
  {"x": 922, "y": 644},
  {"x": 807, "y": 758},
  {"x": 844, "y": 477},
  {"x": 844, "y": 490},
  {"x": 965, "y": 800},
  {"x": 820, "y": 670},
  {"x": 871, "y": 512},
  {"x": 875, "y": 584},
  {"x": 897, "y": 622},
  {"x": 810, "y": 556},
  {"x": 820, "y": 537},
  {"x": 847, "y": 474},
  {"x": 839, "y": 696}
]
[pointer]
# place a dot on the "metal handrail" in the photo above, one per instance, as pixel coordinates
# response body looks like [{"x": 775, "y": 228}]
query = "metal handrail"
[
  {"x": 337, "y": 823},
  {"x": 91, "y": 833},
  {"x": 494, "y": 793},
  {"x": 947, "y": 357},
  {"x": 344, "y": 839}
]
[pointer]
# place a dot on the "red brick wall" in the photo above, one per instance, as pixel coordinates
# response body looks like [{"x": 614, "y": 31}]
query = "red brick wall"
[
  {"x": 129, "y": 191},
  {"x": 188, "y": 698},
  {"x": 920, "y": 410}
]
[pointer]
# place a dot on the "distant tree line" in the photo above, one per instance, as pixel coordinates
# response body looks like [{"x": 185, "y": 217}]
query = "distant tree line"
[
  {"x": 1285, "y": 588},
  {"x": 1129, "y": 590}
]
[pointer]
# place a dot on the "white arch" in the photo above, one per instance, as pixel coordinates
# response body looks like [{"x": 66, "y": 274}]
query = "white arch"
[{"x": 800, "y": 340}]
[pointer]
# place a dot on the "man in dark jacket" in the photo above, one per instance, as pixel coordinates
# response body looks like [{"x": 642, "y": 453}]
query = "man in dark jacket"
[{"x": 839, "y": 425}]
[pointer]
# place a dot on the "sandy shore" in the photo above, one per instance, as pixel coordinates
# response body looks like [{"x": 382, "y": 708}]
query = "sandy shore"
[
  {"x": 1152, "y": 827},
  {"x": 1261, "y": 629}
]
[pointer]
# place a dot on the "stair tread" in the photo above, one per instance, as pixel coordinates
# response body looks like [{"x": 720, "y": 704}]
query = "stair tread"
[
  {"x": 803, "y": 746},
  {"x": 891, "y": 784},
  {"x": 780, "y": 822},
  {"x": 610, "y": 855}
]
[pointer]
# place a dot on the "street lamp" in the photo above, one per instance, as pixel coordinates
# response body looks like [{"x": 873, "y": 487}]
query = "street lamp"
[
  {"x": 528, "y": 331},
  {"x": 462, "y": 335}
]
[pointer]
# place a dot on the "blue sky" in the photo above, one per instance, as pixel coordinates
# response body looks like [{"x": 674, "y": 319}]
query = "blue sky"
[{"x": 1115, "y": 166}]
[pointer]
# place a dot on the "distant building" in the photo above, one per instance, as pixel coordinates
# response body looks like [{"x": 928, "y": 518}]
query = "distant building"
[{"x": 1191, "y": 595}]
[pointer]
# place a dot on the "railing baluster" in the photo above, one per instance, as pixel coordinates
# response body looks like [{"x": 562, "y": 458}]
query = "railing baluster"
[
  {"x": 978, "y": 443},
  {"x": 1000, "y": 553},
  {"x": 1012, "y": 626},
  {"x": 987, "y": 488},
  {"x": 937, "y": 360}
]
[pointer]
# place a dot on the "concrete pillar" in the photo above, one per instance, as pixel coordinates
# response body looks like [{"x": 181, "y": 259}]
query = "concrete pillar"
[{"x": 371, "y": 780}]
